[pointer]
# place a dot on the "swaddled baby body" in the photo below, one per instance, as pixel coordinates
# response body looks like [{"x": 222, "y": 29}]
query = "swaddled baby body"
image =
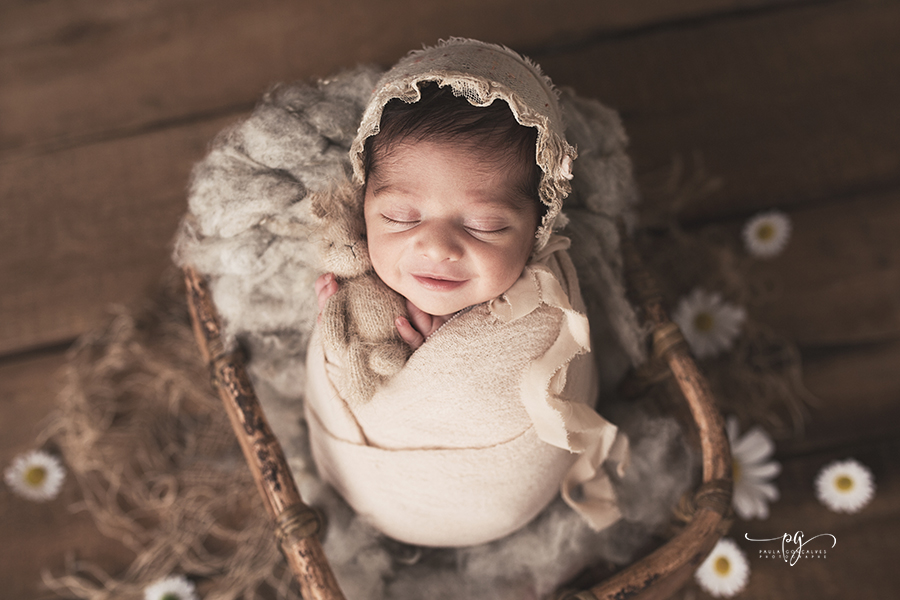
[{"x": 464, "y": 173}]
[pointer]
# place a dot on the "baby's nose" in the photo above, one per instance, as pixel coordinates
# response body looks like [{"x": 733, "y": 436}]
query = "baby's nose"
[{"x": 439, "y": 243}]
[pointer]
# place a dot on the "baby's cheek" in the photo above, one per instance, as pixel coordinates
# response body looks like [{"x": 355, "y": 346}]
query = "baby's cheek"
[
  {"x": 376, "y": 252},
  {"x": 503, "y": 272},
  {"x": 385, "y": 261}
]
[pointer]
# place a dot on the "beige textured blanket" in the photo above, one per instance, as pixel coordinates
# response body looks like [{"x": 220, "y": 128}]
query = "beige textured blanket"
[{"x": 490, "y": 418}]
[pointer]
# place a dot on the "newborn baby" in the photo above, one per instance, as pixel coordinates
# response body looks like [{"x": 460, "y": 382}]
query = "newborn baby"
[{"x": 464, "y": 168}]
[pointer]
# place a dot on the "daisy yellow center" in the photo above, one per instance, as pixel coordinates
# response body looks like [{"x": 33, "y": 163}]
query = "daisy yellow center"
[
  {"x": 765, "y": 232},
  {"x": 704, "y": 322},
  {"x": 35, "y": 476},
  {"x": 735, "y": 471},
  {"x": 722, "y": 566},
  {"x": 843, "y": 483}
]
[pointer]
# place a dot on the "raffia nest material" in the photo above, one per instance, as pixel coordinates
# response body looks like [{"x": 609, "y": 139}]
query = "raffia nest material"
[
  {"x": 155, "y": 457},
  {"x": 145, "y": 436}
]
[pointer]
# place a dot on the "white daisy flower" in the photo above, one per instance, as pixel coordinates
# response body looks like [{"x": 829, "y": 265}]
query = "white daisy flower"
[
  {"x": 725, "y": 571},
  {"x": 845, "y": 486},
  {"x": 752, "y": 471},
  {"x": 766, "y": 234},
  {"x": 709, "y": 324},
  {"x": 174, "y": 587},
  {"x": 35, "y": 475}
]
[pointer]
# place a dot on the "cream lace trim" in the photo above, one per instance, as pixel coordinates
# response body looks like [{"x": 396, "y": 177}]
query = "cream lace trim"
[{"x": 482, "y": 73}]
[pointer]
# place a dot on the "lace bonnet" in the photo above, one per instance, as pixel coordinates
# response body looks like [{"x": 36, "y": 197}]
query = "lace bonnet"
[{"x": 482, "y": 73}]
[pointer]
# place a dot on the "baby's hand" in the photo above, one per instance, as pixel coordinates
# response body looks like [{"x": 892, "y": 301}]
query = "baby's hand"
[
  {"x": 419, "y": 325},
  {"x": 326, "y": 287}
]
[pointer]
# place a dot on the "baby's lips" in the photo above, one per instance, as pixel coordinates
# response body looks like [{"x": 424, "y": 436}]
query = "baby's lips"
[
  {"x": 437, "y": 283},
  {"x": 428, "y": 273},
  {"x": 437, "y": 277}
]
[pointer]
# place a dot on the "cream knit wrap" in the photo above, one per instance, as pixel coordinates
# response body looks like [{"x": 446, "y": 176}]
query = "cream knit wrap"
[
  {"x": 487, "y": 421},
  {"x": 493, "y": 414}
]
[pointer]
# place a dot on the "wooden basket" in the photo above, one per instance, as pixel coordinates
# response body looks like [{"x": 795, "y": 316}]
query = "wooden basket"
[{"x": 656, "y": 576}]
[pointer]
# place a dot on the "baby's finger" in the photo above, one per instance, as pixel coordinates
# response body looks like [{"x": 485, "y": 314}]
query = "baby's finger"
[
  {"x": 421, "y": 320},
  {"x": 409, "y": 333},
  {"x": 323, "y": 280},
  {"x": 326, "y": 287}
]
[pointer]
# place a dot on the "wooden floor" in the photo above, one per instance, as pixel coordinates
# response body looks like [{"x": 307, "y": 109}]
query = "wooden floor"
[{"x": 789, "y": 104}]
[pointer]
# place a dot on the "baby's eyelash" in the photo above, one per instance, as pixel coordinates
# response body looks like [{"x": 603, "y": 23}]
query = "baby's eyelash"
[
  {"x": 478, "y": 231},
  {"x": 475, "y": 231},
  {"x": 397, "y": 222}
]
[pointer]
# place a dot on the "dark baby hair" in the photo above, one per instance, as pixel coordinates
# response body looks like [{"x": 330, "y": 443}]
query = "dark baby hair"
[{"x": 444, "y": 117}]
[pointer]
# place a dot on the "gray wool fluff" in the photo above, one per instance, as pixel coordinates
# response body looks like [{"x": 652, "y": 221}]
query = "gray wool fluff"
[{"x": 249, "y": 230}]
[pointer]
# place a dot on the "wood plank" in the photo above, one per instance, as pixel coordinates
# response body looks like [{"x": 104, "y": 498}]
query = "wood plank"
[
  {"x": 861, "y": 564},
  {"x": 837, "y": 283},
  {"x": 857, "y": 393},
  {"x": 76, "y": 71},
  {"x": 842, "y": 266},
  {"x": 88, "y": 227},
  {"x": 834, "y": 290},
  {"x": 838, "y": 280},
  {"x": 38, "y": 536},
  {"x": 28, "y": 388},
  {"x": 785, "y": 108}
]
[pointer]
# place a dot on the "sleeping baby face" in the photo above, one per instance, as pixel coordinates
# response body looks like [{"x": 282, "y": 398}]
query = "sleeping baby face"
[{"x": 447, "y": 224}]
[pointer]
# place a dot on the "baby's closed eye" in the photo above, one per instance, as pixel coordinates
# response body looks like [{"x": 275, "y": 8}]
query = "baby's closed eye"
[
  {"x": 400, "y": 220},
  {"x": 486, "y": 228}
]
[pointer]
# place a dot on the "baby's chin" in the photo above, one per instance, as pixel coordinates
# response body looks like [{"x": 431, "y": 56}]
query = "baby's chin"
[
  {"x": 442, "y": 305},
  {"x": 440, "y": 308}
]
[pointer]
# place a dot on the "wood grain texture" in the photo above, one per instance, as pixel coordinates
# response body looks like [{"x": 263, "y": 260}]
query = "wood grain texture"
[
  {"x": 786, "y": 108},
  {"x": 37, "y": 536},
  {"x": 863, "y": 562},
  {"x": 90, "y": 222},
  {"x": 836, "y": 283},
  {"x": 858, "y": 396},
  {"x": 842, "y": 266},
  {"x": 78, "y": 71},
  {"x": 89, "y": 226}
]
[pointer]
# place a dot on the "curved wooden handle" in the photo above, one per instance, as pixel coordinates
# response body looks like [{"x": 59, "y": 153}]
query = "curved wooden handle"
[{"x": 296, "y": 523}]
